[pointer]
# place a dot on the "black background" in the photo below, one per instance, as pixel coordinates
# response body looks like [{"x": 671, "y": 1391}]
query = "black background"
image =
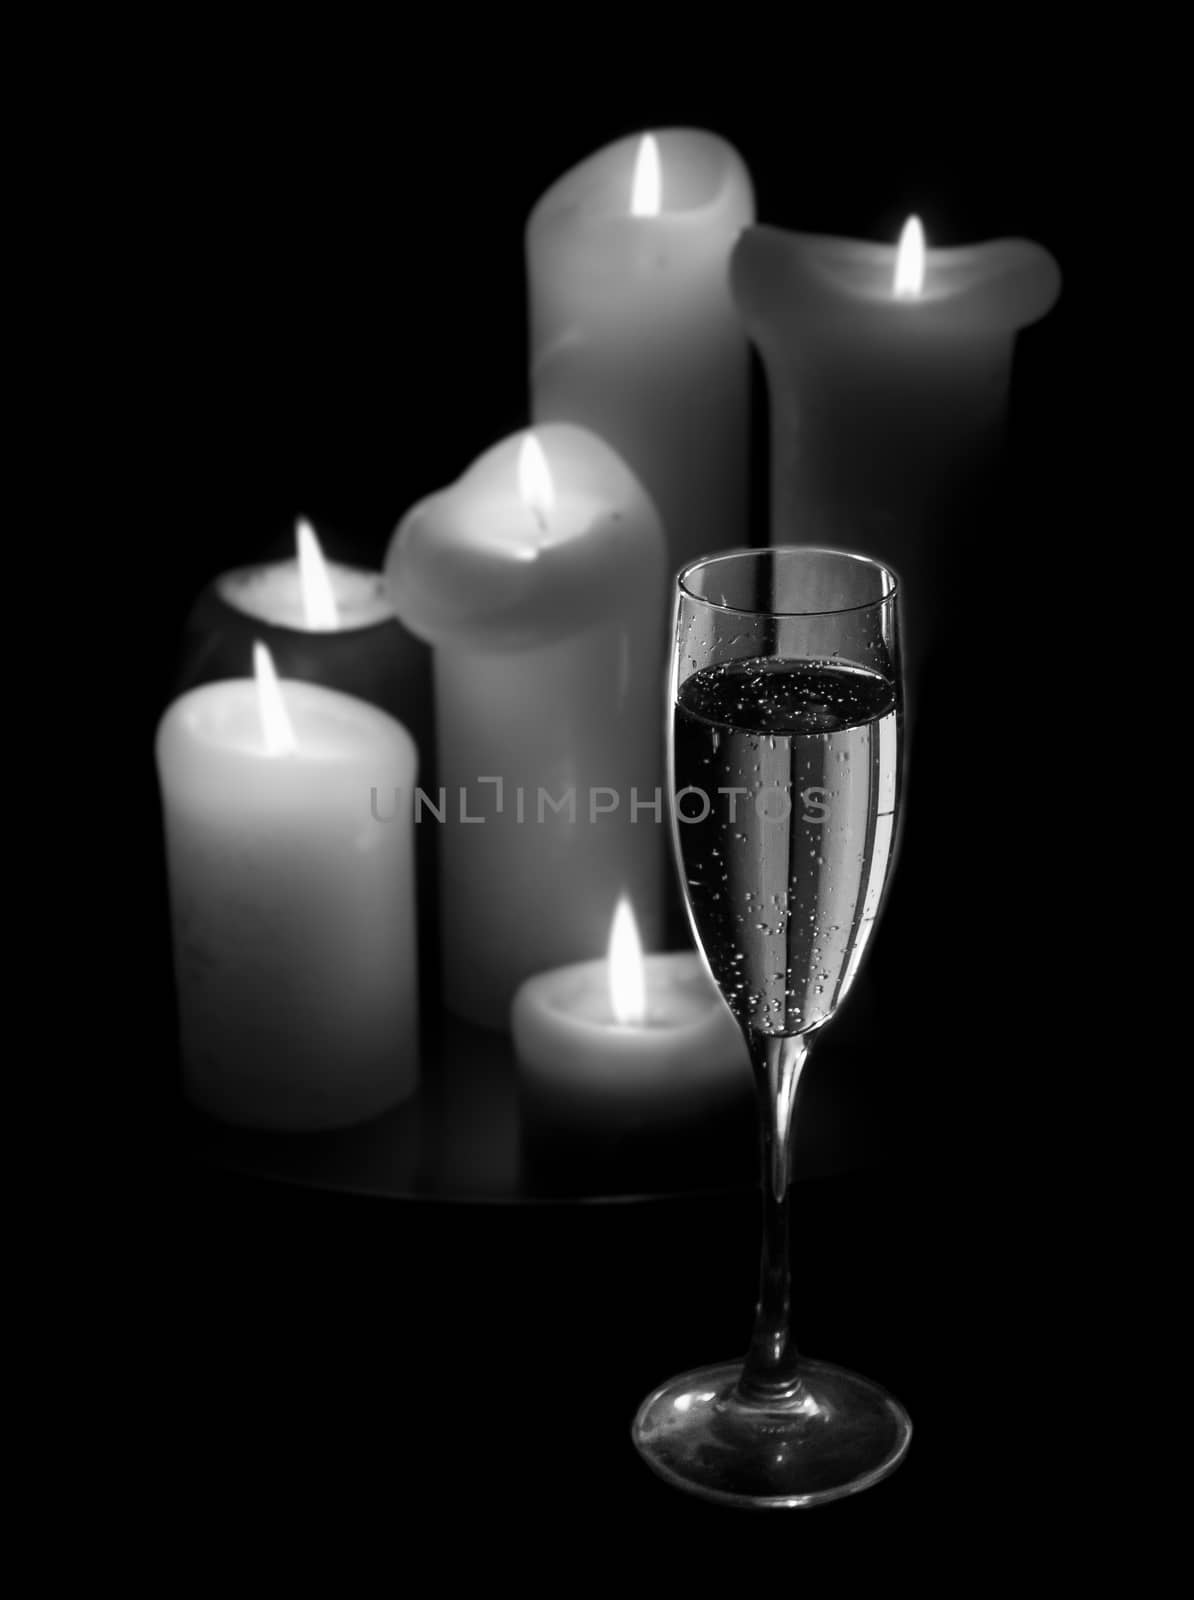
[{"x": 332, "y": 255}]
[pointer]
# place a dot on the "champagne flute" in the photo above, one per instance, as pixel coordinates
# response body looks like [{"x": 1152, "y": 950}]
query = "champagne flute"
[{"x": 784, "y": 762}]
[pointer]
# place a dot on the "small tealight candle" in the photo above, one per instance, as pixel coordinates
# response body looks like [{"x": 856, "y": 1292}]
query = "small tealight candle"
[
  {"x": 292, "y": 902},
  {"x": 322, "y": 622},
  {"x": 629, "y": 1043}
]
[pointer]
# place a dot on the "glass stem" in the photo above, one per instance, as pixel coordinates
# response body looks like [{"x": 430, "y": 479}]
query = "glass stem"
[{"x": 770, "y": 1372}]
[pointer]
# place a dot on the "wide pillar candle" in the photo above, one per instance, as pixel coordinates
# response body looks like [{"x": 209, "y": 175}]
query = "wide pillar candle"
[
  {"x": 633, "y": 330},
  {"x": 292, "y": 900},
  {"x": 888, "y": 399},
  {"x": 539, "y": 579}
]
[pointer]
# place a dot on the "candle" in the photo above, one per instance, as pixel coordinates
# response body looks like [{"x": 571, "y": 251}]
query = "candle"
[
  {"x": 292, "y": 901},
  {"x": 633, "y": 330},
  {"x": 888, "y": 372},
  {"x": 538, "y": 578},
  {"x": 627, "y": 1044},
  {"x": 331, "y": 624},
  {"x": 322, "y": 622}
]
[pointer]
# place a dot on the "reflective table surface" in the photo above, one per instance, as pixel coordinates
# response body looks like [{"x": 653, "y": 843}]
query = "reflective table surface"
[{"x": 469, "y": 1136}]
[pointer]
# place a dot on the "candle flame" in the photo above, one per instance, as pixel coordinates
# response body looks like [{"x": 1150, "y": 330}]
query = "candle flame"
[
  {"x": 646, "y": 191},
  {"x": 319, "y": 603},
  {"x": 535, "y": 483},
  {"x": 276, "y": 726},
  {"x": 910, "y": 261},
  {"x": 627, "y": 974}
]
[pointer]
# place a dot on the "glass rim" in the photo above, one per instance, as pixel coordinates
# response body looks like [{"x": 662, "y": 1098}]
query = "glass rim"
[{"x": 775, "y": 549}]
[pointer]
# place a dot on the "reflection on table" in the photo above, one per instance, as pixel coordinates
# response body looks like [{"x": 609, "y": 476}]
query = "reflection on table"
[{"x": 469, "y": 1135}]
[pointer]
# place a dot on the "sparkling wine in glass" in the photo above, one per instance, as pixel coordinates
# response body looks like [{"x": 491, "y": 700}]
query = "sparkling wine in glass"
[{"x": 785, "y": 748}]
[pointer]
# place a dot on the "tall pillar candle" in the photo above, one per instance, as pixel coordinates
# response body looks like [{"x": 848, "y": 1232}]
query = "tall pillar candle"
[
  {"x": 888, "y": 374},
  {"x": 539, "y": 580},
  {"x": 292, "y": 901},
  {"x": 633, "y": 330}
]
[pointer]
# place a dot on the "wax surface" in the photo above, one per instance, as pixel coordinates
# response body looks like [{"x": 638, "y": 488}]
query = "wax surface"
[
  {"x": 678, "y": 995},
  {"x": 292, "y": 907},
  {"x": 273, "y": 593}
]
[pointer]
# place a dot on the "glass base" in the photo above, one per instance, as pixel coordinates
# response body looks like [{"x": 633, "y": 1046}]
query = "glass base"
[{"x": 840, "y": 1435}]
